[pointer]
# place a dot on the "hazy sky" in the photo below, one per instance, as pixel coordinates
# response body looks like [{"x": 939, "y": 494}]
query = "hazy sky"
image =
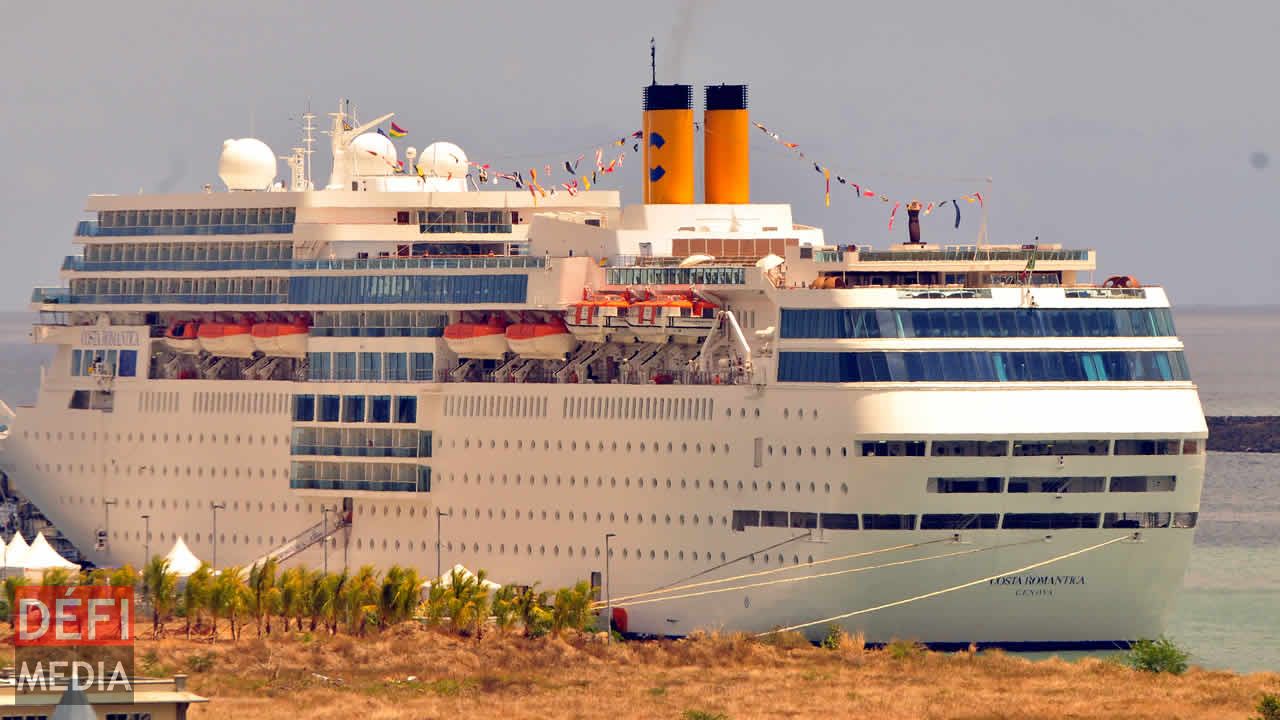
[{"x": 1126, "y": 126}]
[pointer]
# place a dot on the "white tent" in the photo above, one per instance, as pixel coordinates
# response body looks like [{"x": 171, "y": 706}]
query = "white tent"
[
  {"x": 181, "y": 560},
  {"x": 74, "y": 705},
  {"x": 15, "y": 553},
  {"x": 41, "y": 556},
  {"x": 446, "y": 579}
]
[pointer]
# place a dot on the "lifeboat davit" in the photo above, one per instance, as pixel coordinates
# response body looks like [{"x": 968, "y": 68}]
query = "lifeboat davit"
[
  {"x": 684, "y": 318},
  {"x": 541, "y": 340},
  {"x": 281, "y": 339},
  {"x": 598, "y": 317},
  {"x": 486, "y": 340},
  {"x": 226, "y": 339},
  {"x": 182, "y": 337}
]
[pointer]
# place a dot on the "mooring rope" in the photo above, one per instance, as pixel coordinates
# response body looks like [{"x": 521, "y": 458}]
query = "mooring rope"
[
  {"x": 818, "y": 576},
  {"x": 670, "y": 589},
  {"x": 936, "y": 593}
]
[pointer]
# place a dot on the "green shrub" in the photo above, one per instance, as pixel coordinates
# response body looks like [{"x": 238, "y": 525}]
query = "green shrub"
[
  {"x": 198, "y": 663},
  {"x": 834, "y": 637},
  {"x": 1157, "y": 656},
  {"x": 703, "y": 715},
  {"x": 904, "y": 649},
  {"x": 1268, "y": 707}
]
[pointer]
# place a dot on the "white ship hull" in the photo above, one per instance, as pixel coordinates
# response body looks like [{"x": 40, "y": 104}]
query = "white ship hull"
[
  {"x": 547, "y": 347},
  {"x": 234, "y": 346},
  {"x": 291, "y": 345},
  {"x": 482, "y": 347},
  {"x": 514, "y": 480}
]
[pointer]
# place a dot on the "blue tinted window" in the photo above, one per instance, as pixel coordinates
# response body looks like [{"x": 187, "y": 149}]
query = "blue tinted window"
[
  {"x": 344, "y": 289},
  {"x": 304, "y": 408},
  {"x": 353, "y": 408},
  {"x": 330, "y": 408},
  {"x": 406, "y": 409},
  {"x": 128, "y": 363},
  {"x": 370, "y": 366},
  {"x": 397, "y": 369},
  {"x": 421, "y": 366},
  {"x": 998, "y": 366},
  {"x": 380, "y": 408},
  {"x": 976, "y": 322},
  {"x": 76, "y": 367},
  {"x": 344, "y": 366},
  {"x": 319, "y": 365}
]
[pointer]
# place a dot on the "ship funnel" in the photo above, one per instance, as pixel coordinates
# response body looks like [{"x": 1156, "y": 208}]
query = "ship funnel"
[
  {"x": 913, "y": 222},
  {"x": 668, "y": 144},
  {"x": 726, "y": 145}
]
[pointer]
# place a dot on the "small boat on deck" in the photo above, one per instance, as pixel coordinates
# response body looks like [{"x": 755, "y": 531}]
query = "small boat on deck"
[
  {"x": 541, "y": 340},
  {"x": 226, "y": 339},
  {"x": 598, "y": 316},
  {"x": 480, "y": 340},
  {"x": 660, "y": 318},
  {"x": 281, "y": 339},
  {"x": 182, "y": 337}
]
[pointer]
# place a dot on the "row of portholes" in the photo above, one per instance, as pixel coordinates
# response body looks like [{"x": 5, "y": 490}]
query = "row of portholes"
[
  {"x": 786, "y": 413},
  {"x": 234, "y": 539},
  {"x": 586, "y": 446},
  {"x": 165, "y": 504},
  {"x": 581, "y": 551},
  {"x": 813, "y": 451},
  {"x": 639, "y": 483},
  {"x": 177, "y": 470},
  {"x": 600, "y": 517},
  {"x": 177, "y": 438}
]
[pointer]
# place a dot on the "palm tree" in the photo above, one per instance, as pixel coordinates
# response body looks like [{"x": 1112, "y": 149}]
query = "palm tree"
[
  {"x": 318, "y": 592},
  {"x": 195, "y": 595},
  {"x": 572, "y": 609},
  {"x": 333, "y": 597},
  {"x": 96, "y": 576},
  {"x": 124, "y": 577},
  {"x": 360, "y": 599},
  {"x": 160, "y": 585},
  {"x": 56, "y": 576},
  {"x": 292, "y": 588},
  {"x": 262, "y": 586},
  {"x": 504, "y": 608},
  {"x": 229, "y": 598},
  {"x": 467, "y": 600},
  {"x": 531, "y": 608},
  {"x": 11, "y": 585},
  {"x": 399, "y": 594}
]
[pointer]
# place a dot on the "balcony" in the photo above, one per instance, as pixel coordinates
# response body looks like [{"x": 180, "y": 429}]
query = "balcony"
[
  {"x": 483, "y": 262},
  {"x": 49, "y": 296},
  {"x": 90, "y": 228}
]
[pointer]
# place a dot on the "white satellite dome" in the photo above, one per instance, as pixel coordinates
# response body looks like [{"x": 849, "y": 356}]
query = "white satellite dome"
[
  {"x": 374, "y": 154},
  {"x": 247, "y": 164},
  {"x": 442, "y": 160}
]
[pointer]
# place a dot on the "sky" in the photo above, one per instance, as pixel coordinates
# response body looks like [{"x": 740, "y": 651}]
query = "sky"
[{"x": 1147, "y": 130}]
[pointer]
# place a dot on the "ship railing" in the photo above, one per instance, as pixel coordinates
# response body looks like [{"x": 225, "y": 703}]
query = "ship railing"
[
  {"x": 626, "y": 377},
  {"x": 91, "y": 228},
  {"x": 430, "y": 262}
]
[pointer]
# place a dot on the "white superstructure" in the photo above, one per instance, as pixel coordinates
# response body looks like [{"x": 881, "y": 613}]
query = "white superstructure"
[{"x": 716, "y": 386}]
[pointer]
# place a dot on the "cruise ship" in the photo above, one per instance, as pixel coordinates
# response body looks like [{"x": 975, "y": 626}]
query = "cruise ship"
[{"x": 721, "y": 416}]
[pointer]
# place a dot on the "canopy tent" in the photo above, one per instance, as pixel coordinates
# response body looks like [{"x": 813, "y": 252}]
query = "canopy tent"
[
  {"x": 446, "y": 579},
  {"x": 181, "y": 560},
  {"x": 42, "y": 556},
  {"x": 15, "y": 553}
]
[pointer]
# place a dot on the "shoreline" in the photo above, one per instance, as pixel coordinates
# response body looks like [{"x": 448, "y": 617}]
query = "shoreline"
[{"x": 1243, "y": 433}]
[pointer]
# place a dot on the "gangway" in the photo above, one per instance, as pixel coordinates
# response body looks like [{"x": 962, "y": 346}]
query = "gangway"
[{"x": 317, "y": 533}]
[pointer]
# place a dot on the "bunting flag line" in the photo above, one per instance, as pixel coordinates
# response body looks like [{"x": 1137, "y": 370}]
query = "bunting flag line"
[{"x": 860, "y": 190}]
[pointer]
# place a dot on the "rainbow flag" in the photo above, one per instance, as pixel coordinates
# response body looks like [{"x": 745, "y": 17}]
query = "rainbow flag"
[{"x": 397, "y": 131}]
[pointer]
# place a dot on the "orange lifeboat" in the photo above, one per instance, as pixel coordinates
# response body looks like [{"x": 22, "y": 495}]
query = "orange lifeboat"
[
  {"x": 541, "y": 340},
  {"x": 486, "y": 340},
  {"x": 598, "y": 316},
  {"x": 684, "y": 317},
  {"x": 226, "y": 339},
  {"x": 182, "y": 337},
  {"x": 281, "y": 339}
]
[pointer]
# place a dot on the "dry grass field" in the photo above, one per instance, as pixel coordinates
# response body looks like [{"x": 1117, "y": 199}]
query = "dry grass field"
[{"x": 410, "y": 672}]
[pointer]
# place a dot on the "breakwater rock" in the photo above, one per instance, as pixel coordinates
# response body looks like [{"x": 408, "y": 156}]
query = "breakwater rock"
[{"x": 1241, "y": 433}]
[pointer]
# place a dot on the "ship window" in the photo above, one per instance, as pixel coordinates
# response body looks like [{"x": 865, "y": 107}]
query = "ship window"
[
  {"x": 1032, "y": 448},
  {"x": 888, "y": 522},
  {"x": 406, "y": 409},
  {"x": 1147, "y": 447},
  {"x": 839, "y": 521},
  {"x": 742, "y": 519},
  {"x": 969, "y": 448},
  {"x": 344, "y": 366},
  {"x": 1049, "y": 521},
  {"x": 1185, "y": 519},
  {"x": 806, "y": 520},
  {"x": 773, "y": 518},
  {"x": 971, "y": 521},
  {"x": 894, "y": 448},
  {"x": 1057, "y": 485},
  {"x": 304, "y": 408},
  {"x": 329, "y": 410},
  {"x": 1143, "y": 483},
  {"x": 964, "y": 485},
  {"x": 380, "y": 408},
  {"x": 1136, "y": 520}
]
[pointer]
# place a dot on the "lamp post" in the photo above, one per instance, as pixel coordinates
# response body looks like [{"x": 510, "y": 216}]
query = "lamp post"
[
  {"x": 106, "y": 509},
  {"x": 439, "y": 514},
  {"x": 608, "y": 597},
  {"x": 215, "y": 507},
  {"x": 146, "y": 541}
]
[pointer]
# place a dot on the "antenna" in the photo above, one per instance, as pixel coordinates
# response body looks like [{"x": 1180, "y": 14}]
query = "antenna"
[
  {"x": 308, "y": 140},
  {"x": 653, "y": 62}
]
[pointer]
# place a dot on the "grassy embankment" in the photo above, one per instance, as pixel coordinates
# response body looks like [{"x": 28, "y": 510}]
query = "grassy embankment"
[{"x": 300, "y": 677}]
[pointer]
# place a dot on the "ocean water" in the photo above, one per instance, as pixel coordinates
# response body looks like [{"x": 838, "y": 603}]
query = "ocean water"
[{"x": 1228, "y": 613}]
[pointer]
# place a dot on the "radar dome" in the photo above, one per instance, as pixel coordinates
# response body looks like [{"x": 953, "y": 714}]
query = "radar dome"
[
  {"x": 374, "y": 154},
  {"x": 247, "y": 164},
  {"x": 442, "y": 160}
]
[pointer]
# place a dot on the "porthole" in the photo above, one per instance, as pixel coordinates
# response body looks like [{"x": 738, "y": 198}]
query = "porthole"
[
  {"x": 786, "y": 413},
  {"x": 844, "y": 488}
]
